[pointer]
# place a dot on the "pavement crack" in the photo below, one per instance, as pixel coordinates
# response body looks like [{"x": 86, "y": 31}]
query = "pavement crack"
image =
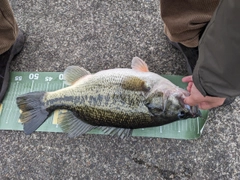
[
  {"x": 166, "y": 174},
  {"x": 139, "y": 161}
]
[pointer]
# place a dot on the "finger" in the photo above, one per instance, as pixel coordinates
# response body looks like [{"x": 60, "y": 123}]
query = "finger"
[
  {"x": 189, "y": 87},
  {"x": 190, "y": 101},
  {"x": 187, "y": 79}
]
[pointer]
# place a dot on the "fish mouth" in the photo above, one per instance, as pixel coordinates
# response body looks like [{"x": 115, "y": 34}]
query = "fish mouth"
[
  {"x": 195, "y": 111},
  {"x": 189, "y": 112}
]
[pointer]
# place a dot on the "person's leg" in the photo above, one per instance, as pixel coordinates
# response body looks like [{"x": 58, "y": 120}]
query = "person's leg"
[
  {"x": 185, "y": 20},
  {"x": 184, "y": 23},
  {"x": 8, "y": 27},
  {"x": 11, "y": 43}
]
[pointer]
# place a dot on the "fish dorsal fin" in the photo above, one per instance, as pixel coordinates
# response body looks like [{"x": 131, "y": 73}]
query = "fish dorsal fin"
[
  {"x": 139, "y": 65},
  {"x": 73, "y": 73}
]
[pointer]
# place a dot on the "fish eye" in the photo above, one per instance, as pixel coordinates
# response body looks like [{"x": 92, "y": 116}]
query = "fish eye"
[{"x": 181, "y": 114}]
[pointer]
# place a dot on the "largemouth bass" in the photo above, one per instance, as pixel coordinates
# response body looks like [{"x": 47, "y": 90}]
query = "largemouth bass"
[{"x": 114, "y": 100}]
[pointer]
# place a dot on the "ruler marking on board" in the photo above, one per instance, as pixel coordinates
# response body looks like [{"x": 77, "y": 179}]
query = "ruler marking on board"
[
  {"x": 32, "y": 86},
  {"x": 198, "y": 128},
  {"x": 15, "y": 88}
]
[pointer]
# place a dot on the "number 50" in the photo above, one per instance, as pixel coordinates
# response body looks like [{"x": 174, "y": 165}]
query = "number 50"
[{"x": 33, "y": 76}]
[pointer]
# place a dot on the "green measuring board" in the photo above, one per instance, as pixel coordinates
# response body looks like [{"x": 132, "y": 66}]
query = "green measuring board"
[{"x": 24, "y": 82}]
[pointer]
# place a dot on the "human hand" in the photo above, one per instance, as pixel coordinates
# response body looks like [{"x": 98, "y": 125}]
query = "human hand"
[{"x": 197, "y": 99}]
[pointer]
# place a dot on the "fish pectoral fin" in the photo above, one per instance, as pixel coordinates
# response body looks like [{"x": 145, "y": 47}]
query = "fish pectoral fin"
[
  {"x": 74, "y": 73},
  {"x": 72, "y": 125},
  {"x": 135, "y": 84},
  {"x": 120, "y": 132},
  {"x": 154, "y": 103},
  {"x": 139, "y": 65}
]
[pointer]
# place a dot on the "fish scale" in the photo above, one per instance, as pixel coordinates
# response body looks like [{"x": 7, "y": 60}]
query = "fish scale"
[{"x": 116, "y": 108}]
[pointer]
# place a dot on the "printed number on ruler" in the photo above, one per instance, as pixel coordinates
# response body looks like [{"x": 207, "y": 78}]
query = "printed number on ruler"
[
  {"x": 33, "y": 76},
  {"x": 60, "y": 77},
  {"x": 48, "y": 79},
  {"x": 18, "y": 78}
]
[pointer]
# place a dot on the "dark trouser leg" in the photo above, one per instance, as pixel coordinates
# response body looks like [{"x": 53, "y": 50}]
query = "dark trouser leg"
[
  {"x": 184, "y": 23},
  {"x": 8, "y": 26},
  {"x": 11, "y": 43},
  {"x": 184, "y": 20}
]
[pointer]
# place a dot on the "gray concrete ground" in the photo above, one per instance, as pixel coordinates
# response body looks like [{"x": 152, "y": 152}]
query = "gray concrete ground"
[{"x": 99, "y": 35}]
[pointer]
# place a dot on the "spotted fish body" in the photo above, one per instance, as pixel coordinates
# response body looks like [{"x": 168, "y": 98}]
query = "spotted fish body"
[{"x": 116, "y": 100}]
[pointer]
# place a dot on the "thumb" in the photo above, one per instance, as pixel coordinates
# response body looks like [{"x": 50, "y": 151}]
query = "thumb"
[
  {"x": 187, "y": 79},
  {"x": 190, "y": 101}
]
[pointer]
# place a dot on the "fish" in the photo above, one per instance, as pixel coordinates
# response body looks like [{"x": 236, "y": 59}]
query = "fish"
[{"x": 116, "y": 101}]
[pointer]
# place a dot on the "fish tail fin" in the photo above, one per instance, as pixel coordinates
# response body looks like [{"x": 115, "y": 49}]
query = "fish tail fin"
[{"x": 34, "y": 112}]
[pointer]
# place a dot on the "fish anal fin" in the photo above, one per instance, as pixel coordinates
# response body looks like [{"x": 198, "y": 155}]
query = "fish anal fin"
[
  {"x": 139, "y": 65},
  {"x": 135, "y": 84},
  {"x": 72, "y": 125},
  {"x": 74, "y": 73},
  {"x": 114, "y": 131}
]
